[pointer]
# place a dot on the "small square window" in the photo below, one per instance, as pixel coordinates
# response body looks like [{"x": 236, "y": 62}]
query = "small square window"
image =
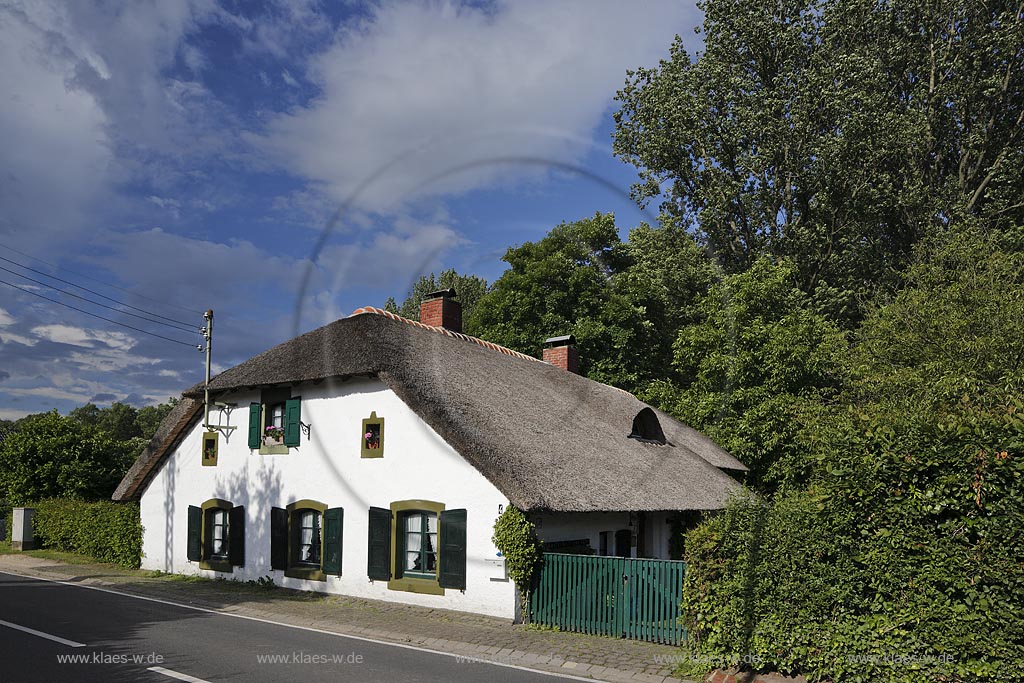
[{"x": 371, "y": 438}]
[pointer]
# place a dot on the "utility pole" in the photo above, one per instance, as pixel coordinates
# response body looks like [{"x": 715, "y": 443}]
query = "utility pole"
[{"x": 208, "y": 335}]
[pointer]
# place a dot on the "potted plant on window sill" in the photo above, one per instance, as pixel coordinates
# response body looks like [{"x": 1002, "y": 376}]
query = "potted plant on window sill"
[{"x": 273, "y": 436}]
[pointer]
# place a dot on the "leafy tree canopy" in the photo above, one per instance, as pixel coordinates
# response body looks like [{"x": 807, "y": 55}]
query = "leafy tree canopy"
[
  {"x": 834, "y": 132},
  {"x": 753, "y": 358},
  {"x": 51, "y": 456},
  {"x": 470, "y": 289}
]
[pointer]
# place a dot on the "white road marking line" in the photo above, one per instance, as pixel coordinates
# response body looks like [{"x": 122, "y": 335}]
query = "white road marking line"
[
  {"x": 404, "y": 646},
  {"x": 175, "y": 674},
  {"x": 56, "y": 639}
]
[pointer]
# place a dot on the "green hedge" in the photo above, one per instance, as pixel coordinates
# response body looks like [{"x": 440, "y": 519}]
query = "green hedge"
[
  {"x": 104, "y": 530},
  {"x": 903, "y": 561}
]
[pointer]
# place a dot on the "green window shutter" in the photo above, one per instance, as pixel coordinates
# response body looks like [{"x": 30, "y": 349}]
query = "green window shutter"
[
  {"x": 378, "y": 562},
  {"x": 194, "y": 551},
  {"x": 334, "y": 520},
  {"x": 236, "y": 536},
  {"x": 292, "y": 417},
  {"x": 451, "y": 571},
  {"x": 255, "y": 421},
  {"x": 278, "y": 538}
]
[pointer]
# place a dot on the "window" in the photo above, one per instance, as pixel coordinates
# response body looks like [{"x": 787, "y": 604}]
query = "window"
[
  {"x": 419, "y": 539},
  {"x": 417, "y": 546},
  {"x": 216, "y": 535},
  {"x": 274, "y": 422},
  {"x": 309, "y": 538},
  {"x": 306, "y": 539},
  {"x": 217, "y": 532},
  {"x": 647, "y": 428},
  {"x": 372, "y": 437}
]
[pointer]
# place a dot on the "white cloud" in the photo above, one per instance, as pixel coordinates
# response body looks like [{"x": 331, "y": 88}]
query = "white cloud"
[
  {"x": 56, "y": 154},
  {"x": 105, "y": 360},
  {"x": 78, "y": 336},
  {"x": 5, "y": 318},
  {"x": 11, "y": 338},
  {"x": 431, "y": 87},
  {"x": 13, "y": 413},
  {"x": 289, "y": 79},
  {"x": 53, "y": 392}
]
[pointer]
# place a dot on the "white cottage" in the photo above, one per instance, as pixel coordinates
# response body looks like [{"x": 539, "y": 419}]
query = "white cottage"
[{"x": 371, "y": 457}]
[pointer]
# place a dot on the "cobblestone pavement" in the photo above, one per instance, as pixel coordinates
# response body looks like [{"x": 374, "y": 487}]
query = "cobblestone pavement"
[{"x": 459, "y": 633}]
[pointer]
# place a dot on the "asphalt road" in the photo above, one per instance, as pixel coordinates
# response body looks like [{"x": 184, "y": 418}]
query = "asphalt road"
[{"x": 82, "y": 634}]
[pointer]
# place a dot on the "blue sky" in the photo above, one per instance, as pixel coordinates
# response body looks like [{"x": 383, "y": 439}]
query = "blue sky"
[{"x": 179, "y": 156}]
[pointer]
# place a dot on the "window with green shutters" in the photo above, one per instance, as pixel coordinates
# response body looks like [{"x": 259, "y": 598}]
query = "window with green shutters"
[
  {"x": 417, "y": 546},
  {"x": 216, "y": 535},
  {"x": 306, "y": 540},
  {"x": 275, "y": 423}
]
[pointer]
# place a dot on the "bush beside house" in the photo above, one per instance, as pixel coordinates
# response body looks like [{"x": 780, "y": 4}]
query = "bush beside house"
[
  {"x": 104, "y": 530},
  {"x": 902, "y": 557}
]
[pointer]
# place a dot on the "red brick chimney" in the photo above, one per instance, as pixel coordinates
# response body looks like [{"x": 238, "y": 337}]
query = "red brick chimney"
[
  {"x": 440, "y": 309},
  {"x": 561, "y": 352}
]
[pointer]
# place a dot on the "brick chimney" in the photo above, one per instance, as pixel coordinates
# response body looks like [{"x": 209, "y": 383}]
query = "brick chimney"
[
  {"x": 561, "y": 352},
  {"x": 440, "y": 309}
]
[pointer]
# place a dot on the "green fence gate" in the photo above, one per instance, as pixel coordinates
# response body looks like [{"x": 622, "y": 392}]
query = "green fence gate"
[{"x": 612, "y": 596}]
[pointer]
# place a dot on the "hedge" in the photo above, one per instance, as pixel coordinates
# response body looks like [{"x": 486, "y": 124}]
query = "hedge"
[
  {"x": 902, "y": 562},
  {"x": 104, "y": 530}
]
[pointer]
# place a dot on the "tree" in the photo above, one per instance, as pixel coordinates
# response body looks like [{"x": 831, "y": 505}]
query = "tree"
[
  {"x": 54, "y": 456},
  {"x": 148, "y": 419},
  {"x": 565, "y": 284},
  {"x": 756, "y": 357},
  {"x": 835, "y": 133},
  {"x": 88, "y": 415},
  {"x": 119, "y": 422},
  {"x": 910, "y": 532},
  {"x": 470, "y": 289}
]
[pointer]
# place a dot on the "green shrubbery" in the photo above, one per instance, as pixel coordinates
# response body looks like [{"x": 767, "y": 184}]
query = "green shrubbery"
[
  {"x": 107, "y": 531},
  {"x": 902, "y": 557}
]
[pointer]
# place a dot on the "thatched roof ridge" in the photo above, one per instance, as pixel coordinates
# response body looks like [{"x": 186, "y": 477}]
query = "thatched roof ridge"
[{"x": 547, "y": 438}]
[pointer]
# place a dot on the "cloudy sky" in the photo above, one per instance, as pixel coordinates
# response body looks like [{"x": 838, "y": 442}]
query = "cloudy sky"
[{"x": 179, "y": 156}]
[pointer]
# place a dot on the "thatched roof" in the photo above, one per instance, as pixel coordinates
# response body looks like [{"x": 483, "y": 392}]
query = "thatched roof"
[
  {"x": 546, "y": 438},
  {"x": 170, "y": 432}
]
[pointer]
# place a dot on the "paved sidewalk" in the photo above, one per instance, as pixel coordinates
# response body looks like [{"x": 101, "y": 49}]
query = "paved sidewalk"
[{"x": 481, "y": 637}]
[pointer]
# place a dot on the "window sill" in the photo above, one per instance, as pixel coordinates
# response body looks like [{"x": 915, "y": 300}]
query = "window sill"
[
  {"x": 309, "y": 574},
  {"x": 273, "y": 450},
  {"x": 217, "y": 566},
  {"x": 413, "y": 585}
]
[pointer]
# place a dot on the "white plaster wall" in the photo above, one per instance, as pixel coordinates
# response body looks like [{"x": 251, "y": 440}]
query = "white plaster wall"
[{"x": 327, "y": 467}]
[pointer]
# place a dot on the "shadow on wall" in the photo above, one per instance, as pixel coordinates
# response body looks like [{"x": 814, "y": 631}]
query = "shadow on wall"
[
  {"x": 257, "y": 487},
  {"x": 169, "y": 507}
]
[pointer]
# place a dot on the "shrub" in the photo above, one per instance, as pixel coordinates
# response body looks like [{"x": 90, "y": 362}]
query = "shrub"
[{"x": 104, "y": 530}]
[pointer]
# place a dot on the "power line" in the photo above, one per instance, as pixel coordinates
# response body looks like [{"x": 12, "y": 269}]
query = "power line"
[
  {"x": 87, "y": 277},
  {"x": 86, "y": 289},
  {"x": 96, "y": 303},
  {"x": 80, "y": 310}
]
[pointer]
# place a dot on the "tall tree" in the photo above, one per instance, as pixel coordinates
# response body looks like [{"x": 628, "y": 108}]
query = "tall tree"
[
  {"x": 568, "y": 283},
  {"x": 755, "y": 356},
  {"x": 54, "y": 456},
  {"x": 834, "y": 132},
  {"x": 470, "y": 289},
  {"x": 148, "y": 419}
]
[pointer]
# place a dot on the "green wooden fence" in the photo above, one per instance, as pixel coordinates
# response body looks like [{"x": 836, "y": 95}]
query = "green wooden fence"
[{"x": 611, "y": 596}]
